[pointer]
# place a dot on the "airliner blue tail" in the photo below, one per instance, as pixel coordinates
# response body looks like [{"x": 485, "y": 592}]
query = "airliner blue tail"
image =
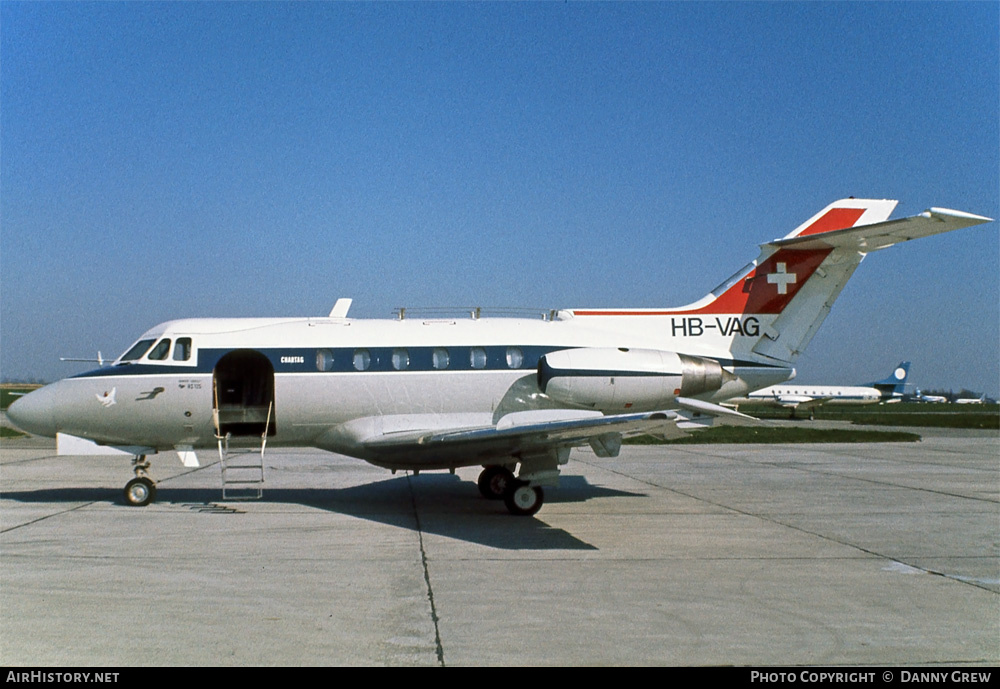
[{"x": 894, "y": 385}]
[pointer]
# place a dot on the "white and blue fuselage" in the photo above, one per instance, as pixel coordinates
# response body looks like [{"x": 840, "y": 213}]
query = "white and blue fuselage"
[
  {"x": 504, "y": 393},
  {"x": 326, "y": 372}
]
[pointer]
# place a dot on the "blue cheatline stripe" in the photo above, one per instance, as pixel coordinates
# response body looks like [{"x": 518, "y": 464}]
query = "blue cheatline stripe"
[{"x": 319, "y": 360}]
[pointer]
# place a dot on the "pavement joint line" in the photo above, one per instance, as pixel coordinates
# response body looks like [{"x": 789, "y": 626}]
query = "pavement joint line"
[
  {"x": 49, "y": 516},
  {"x": 439, "y": 648},
  {"x": 773, "y": 520}
]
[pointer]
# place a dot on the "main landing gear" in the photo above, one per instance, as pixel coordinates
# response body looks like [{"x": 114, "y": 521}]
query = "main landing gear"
[
  {"x": 524, "y": 500},
  {"x": 521, "y": 498},
  {"x": 141, "y": 490},
  {"x": 493, "y": 481}
]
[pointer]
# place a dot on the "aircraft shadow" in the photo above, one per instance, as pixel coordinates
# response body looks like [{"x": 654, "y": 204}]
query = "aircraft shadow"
[{"x": 439, "y": 504}]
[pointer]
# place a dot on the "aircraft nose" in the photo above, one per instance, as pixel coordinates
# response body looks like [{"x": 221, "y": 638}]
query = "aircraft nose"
[{"x": 35, "y": 413}]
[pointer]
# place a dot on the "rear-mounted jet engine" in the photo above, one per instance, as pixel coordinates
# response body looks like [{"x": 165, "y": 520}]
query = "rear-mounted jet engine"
[{"x": 613, "y": 380}]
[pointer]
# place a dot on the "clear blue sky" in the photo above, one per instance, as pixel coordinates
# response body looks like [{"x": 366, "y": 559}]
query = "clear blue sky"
[{"x": 166, "y": 160}]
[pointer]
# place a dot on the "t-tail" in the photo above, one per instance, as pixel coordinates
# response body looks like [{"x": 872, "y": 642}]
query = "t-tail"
[
  {"x": 893, "y": 386},
  {"x": 769, "y": 311}
]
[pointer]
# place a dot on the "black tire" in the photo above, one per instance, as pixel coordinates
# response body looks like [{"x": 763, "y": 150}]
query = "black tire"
[
  {"x": 493, "y": 482},
  {"x": 140, "y": 491},
  {"x": 523, "y": 500}
]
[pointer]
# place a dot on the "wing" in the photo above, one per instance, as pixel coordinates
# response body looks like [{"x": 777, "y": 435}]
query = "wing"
[{"x": 436, "y": 441}]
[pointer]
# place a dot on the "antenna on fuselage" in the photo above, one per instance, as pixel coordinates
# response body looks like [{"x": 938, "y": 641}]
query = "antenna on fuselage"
[{"x": 99, "y": 360}]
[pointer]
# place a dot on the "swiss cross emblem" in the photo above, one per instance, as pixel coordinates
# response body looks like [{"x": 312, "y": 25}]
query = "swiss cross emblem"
[{"x": 782, "y": 278}]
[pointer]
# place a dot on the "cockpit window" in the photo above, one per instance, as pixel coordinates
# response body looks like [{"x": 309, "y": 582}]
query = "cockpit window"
[
  {"x": 182, "y": 350},
  {"x": 159, "y": 352},
  {"x": 138, "y": 349}
]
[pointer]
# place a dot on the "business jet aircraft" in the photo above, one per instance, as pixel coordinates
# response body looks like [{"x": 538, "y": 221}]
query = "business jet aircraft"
[
  {"x": 808, "y": 397},
  {"x": 506, "y": 394}
]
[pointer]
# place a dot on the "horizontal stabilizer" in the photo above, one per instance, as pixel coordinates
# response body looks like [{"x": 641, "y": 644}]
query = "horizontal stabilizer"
[{"x": 867, "y": 238}]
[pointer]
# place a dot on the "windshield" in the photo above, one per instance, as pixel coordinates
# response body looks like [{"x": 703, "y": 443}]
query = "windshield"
[
  {"x": 159, "y": 352},
  {"x": 138, "y": 349}
]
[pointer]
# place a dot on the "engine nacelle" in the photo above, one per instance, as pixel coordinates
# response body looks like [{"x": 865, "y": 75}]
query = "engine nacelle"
[{"x": 621, "y": 380}]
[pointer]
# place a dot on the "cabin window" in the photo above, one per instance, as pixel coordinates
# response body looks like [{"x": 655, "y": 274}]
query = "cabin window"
[
  {"x": 138, "y": 349},
  {"x": 182, "y": 349},
  {"x": 400, "y": 359},
  {"x": 324, "y": 360},
  {"x": 477, "y": 357},
  {"x": 440, "y": 358},
  {"x": 362, "y": 359},
  {"x": 159, "y": 352},
  {"x": 514, "y": 357}
]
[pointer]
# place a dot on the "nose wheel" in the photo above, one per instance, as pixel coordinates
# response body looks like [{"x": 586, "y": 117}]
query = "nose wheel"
[{"x": 141, "y": 490}]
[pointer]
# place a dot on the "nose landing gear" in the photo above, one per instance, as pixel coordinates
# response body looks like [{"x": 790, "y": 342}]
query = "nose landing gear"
[{"x": 141, "y": 490}]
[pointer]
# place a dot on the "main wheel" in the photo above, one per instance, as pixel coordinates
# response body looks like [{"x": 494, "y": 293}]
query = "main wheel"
[
  {"x": 523, "y": 500},
  {"x": 493, "y": 482},
  {"x": 140, "y": 491}
]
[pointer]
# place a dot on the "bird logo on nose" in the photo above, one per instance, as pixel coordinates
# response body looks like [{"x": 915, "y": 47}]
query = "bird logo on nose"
[{"x": 108, "y": 398}]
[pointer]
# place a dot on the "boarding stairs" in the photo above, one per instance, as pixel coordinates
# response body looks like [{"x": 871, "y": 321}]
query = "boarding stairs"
[{"x": 242, "y": 467}]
